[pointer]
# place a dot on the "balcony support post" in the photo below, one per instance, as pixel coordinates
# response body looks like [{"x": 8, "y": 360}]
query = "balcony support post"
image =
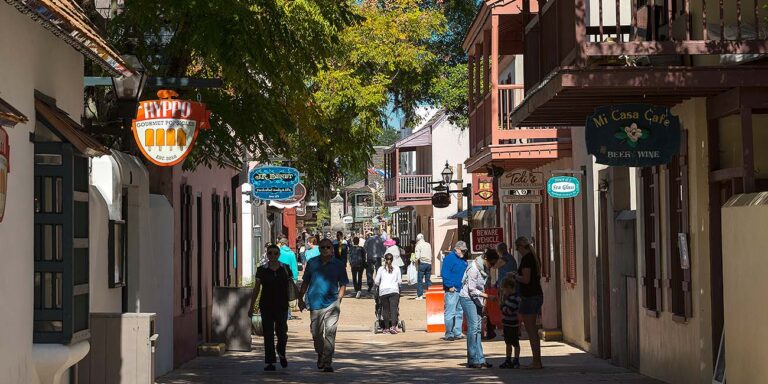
[
  {"x": 396, "y": 172},
  {"x": 494, "y": 123}
]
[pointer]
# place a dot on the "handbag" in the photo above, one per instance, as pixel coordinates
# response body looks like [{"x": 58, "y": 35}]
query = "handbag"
[{"x": 293, "y": 290}]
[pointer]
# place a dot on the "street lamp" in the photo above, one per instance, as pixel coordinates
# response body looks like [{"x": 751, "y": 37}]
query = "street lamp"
[
  {"x": 127, "y": 93},
  {"x": 447, "y": 174}
]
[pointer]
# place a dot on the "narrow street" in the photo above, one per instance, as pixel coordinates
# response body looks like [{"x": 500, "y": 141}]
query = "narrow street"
[{"x": 411, "y": 357}]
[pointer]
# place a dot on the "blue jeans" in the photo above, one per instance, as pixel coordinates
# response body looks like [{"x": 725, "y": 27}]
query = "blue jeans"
[
  {"x": 425, "y": 271},
  {"x": 474, "y": 320},
  {"x": 454, "y": 315}
]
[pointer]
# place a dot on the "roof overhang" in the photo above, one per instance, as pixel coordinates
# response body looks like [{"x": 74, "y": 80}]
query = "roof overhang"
[
  {"x": 69, "y": 130},
  {"x": 68, "y": 21},
  {"x": 420, "y": 138},
  {"x": 568, "y": 95},
  {"x": 512, "y": 23},
  {"x": 10, "y": 116}
]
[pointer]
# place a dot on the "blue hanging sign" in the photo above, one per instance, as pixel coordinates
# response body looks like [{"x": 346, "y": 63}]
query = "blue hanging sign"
[
  {"x": 633, "y": 135},
  {"x": 563, "y": 187},
  {"x": 273, "y": 183}
]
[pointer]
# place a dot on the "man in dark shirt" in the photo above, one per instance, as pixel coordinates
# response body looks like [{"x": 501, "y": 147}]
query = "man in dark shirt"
[
  {"x": 324, "y": 283},
  {"x": 341, "y": 248}
]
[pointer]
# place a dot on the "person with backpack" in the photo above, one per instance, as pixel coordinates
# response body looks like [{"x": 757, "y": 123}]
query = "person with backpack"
[
  {"x": 357, "y": 263},
  {"x": 272, "y": 281}
]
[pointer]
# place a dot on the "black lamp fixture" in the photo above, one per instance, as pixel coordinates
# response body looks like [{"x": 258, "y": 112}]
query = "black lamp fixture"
[
  {"x": 447, "y": 174},
  {"x": 128, "y": 89}
]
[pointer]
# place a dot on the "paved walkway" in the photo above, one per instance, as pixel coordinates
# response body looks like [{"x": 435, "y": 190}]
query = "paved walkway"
[{"x": 411, "y": 357}]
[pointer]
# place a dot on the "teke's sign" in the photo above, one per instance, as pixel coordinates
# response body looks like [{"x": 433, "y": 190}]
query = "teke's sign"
[
  {"x": 522, "y": 179},
  {"x": 633, "y": 135}
]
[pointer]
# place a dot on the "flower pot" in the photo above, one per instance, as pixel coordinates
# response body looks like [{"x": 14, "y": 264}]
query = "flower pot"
[{"x": 256, "y": 326}]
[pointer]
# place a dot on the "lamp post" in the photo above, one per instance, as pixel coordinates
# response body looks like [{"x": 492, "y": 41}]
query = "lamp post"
[
  {"x": 466, "y": 191},
  {"x": 127, "y": 93}
]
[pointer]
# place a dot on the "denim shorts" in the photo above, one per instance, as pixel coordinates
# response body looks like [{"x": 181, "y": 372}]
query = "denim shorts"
[{"x": 531, "y": 305}]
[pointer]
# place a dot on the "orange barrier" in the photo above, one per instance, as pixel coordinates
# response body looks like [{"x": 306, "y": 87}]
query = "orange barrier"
[
  {"x": 492, "y": 308},
  {"x": 435, "y": 309}
]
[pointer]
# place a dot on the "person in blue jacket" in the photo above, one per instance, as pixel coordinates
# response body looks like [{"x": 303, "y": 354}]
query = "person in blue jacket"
[
  {"x": 452, "y": 271},
  {"x": 288, "y": 258}
]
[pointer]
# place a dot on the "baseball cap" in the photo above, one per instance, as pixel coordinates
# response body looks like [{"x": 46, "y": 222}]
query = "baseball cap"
[{"x": 461, "y": 245}]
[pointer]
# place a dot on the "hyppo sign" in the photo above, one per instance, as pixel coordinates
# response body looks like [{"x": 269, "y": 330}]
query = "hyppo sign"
[
  {"x": 5, "y": 167},
  {"x": 166, "y": 129}
]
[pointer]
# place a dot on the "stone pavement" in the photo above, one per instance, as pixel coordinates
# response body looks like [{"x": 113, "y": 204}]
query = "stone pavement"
[{"x": 411, "y": 357}]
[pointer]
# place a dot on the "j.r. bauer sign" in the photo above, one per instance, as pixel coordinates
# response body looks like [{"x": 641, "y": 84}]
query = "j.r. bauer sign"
[
  {"x": 273, "y": 183},
  {"x": 166, "y": 129},
  {"x": 484, "y": 238},
  {"x": 633, "y": 135}
]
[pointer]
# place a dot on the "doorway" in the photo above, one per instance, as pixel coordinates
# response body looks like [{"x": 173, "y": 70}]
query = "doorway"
[
  {"x": 603, "y": 275},
  {"x": 199, "y": 290}
]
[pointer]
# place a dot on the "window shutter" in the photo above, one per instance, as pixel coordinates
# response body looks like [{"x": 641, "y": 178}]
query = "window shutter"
[
  {"x": 545, "y": 254},
  {"x": 570, "y": 241},
  {"x": 687, "y": 294},
  {"x": 657, "y": 238}
]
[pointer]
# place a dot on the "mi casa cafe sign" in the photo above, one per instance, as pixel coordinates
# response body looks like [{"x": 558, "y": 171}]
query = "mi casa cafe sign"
[
  {"x": 633, "y": 135},
  {"x": 5, "y": 167},
  {"x": 166, "y": 129},
  {"x": 273, "y": 182},
  {"x": 522, "y": 179},
  {"x": 563, "y": 187}
]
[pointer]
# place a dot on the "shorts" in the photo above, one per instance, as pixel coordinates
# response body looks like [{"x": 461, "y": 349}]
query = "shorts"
[
  {"x": 531, "y": 305},
  {"x": 512, "y": 336}
]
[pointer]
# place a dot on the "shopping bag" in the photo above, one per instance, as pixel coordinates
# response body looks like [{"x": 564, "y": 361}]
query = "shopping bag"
[{"x": 413, "y": 274}]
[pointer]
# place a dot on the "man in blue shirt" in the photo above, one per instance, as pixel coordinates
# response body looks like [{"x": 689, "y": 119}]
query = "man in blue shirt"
[
  {"x": 452, "y": 271},
  {"x": 324, "y": 284}
]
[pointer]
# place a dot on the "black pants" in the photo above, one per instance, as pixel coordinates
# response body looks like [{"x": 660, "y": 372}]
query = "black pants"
[
  {"x": 369, "y": 268},
  {"x": 390, "y": 306},
  {"x": 357, "y": 278},
  {"x": 274, "y": 322}
]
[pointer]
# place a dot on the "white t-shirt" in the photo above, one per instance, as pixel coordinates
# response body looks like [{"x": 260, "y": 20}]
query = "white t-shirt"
[
  {"x": 388, "y": 282},
  {"x": 397, "y": 261}
]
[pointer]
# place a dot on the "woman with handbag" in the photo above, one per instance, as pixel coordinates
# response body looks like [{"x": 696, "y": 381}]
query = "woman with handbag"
[
  {"x": 275, "y": 283},
  {"x": 472, "y": 300}
]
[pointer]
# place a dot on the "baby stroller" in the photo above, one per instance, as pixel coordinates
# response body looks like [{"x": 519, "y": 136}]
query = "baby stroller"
[{"x": 378, "y": 325}]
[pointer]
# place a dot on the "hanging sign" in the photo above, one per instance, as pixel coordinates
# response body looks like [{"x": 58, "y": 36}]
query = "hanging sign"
[
  {"x": 5, "y": 167},
  {"x": 441, "y": 200},
  {"x": 522, "y": 179},
  {"x": 633, "y": 135},
  {"x": 165, "y": 130},
  {"x": 484, "y": 238},
  {"x": 522, "y": 199},
  {"x": 563, "y": 187},
  {"x": 273, "y": 183},
  {"x": 482, "y": 193},
  {"x": 347, "y": 219}
]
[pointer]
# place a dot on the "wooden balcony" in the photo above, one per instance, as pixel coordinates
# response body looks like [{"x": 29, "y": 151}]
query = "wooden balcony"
[
  {"x": 408, "y": 189},
  {"x": 586, "y": 33}
]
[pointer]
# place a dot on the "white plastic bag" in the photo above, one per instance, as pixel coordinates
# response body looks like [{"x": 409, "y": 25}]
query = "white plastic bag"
[{"x": 413, "y": 274}]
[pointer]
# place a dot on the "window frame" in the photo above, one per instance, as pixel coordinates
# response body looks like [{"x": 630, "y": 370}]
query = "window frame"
[
  {"x": 568, "y": 242},
  {"x": 112, "y": 258},
  {"x": 186, "y": 246},
  {"x": 678, "y": 280},
  {"x": 651, "y": 279}
]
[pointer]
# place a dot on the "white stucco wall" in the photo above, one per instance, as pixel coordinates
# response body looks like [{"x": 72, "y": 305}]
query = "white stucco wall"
[
  {"x": 38, "y": 61},
  {"x": 156, "y": 281},
  {"x": 102, "y": 298}
]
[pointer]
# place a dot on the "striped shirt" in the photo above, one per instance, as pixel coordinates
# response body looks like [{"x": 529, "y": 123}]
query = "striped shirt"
[{"x": 509, "y": 309}]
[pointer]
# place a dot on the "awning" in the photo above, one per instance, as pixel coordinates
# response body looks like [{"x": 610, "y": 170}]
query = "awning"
[
  {"x": 420, "y": 138},
  {"x": 568, "y": 95},
  {"x": 477, "y": 213},
  {"x": 10, "y": 116},
  {"x": 69, "y": 130},
  {"x": 68, "y": 21}
]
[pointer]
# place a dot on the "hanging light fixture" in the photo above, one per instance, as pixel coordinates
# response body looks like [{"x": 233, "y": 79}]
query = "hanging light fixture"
[{"x": 447, "y": 174}]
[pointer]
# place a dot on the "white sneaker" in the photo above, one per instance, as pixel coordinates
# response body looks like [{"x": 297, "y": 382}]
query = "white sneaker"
[
  {"x": 419, "y": 298},
  {"x": 359, "y": 293}
]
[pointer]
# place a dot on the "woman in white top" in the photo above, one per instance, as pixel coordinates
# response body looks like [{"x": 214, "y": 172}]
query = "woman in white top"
[
  {"x": 388, "y": 279},
  {"x": 394, "y": 250}
]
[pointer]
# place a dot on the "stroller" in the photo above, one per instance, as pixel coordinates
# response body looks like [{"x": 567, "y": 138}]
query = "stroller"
[{"x": 378, "y": 324}]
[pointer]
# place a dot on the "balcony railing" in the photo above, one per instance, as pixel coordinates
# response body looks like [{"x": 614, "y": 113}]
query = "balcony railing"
[
  {"x": 409, "y": 187},
  {"x": 365, "y": 212},
  {"x": 572, "y": 32}
]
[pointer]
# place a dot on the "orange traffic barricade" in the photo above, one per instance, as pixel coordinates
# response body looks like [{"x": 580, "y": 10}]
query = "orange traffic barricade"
[
  {"x": 492, "y": 308},
  {"x": 435, "y": 309}
]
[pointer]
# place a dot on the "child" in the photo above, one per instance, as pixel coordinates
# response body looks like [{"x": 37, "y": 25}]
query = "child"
[{"x": 509, "y": 305}]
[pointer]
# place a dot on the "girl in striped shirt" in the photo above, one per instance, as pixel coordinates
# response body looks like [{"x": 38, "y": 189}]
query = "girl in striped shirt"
[{"x": 510, "y": 302}]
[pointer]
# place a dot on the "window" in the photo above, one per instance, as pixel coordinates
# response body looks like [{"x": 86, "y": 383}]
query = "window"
[
  {"x": 652, "y": 256},
  {"x": 568, "y": 241},
  {"x": 227, "y": 241},
  {"x": 679, "y": 271},
  {"x": 215, "y": 239},
  {"x": 118, "y": 250},
  {"x": 543, "y": 236},
  {"x": 186, "y": 246},
  {"x": 61, "y": 257}
]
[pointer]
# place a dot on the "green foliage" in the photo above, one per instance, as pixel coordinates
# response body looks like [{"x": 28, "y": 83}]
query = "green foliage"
[{"x": 309, "y": 80}]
